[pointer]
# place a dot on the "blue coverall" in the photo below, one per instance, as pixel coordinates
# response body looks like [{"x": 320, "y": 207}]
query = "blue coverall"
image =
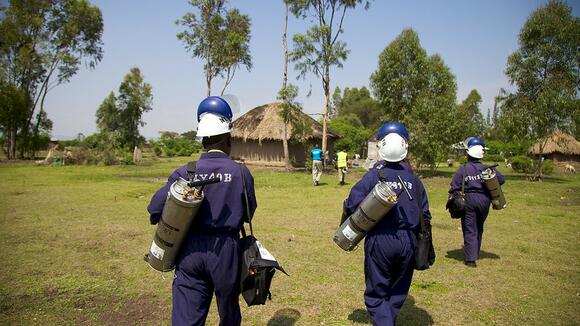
[
  {"x": 390, "y": 245},
  {"x": 209, "y": 260},
  {"x": 478, "y": 200}
]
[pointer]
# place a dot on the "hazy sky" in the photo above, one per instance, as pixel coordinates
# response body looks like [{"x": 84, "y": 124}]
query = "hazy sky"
[{"x": 474, "y": 39}]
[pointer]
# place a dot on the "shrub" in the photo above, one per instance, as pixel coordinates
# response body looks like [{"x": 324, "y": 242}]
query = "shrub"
[
  {"x": 522, "y": 164},
  {"x": 548, "y": 167},
  {"x": 493, "y": 158},
  {"x": 462, "y": 160}
]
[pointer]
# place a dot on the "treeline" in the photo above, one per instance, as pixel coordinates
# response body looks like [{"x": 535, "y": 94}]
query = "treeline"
[
  {"x": 419, "y": 90},
  {"x": 43, "y": 43}
]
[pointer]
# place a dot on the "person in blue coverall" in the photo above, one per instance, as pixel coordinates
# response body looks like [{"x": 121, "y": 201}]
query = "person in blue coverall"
[
  {"x": 389, "y": 248},
  {"x": 477, "y": 198},
  {"x": 209, "y": 260}
]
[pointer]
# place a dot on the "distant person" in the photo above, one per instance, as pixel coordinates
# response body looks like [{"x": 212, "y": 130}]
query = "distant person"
[
  {"x": 316, "y": 155},
  {"x": 341, "y": 165},
  {"x": 389, "y": 248},
  {"x": 209, "y": 260},
  {"x": 477, "y": 198}
]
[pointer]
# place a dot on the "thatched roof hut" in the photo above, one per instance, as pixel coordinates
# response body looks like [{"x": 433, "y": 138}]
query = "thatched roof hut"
[
  {"x": 257, "y": 137},
  {"x": 560, "y": 146}
]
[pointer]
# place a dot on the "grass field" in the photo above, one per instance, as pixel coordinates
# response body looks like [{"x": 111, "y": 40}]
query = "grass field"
[{"x": 72, "y": 240}]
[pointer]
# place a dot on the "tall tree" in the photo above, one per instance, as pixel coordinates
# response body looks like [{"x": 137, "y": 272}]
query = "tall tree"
[
  {"x": 430, "y": 119},
  {"x": 546, "y": 71},
  {"x": 320, "y": 49},
  {"x": 42, "y": 44},
  {"x": 108, "y": 114},
  {"x": 468, "y": 117},
  {"x": 400, "y": 75},
  {"x": 135, "y": 98},
  {"x": 218, "y": 36},
  {"x": 289, "y": 108},
  {"x": 420, "y": 92},
  {"x": 13, "y": 114}
]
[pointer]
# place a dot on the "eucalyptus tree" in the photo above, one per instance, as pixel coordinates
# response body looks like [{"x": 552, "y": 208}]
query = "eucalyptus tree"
[
  {"x": 135, "y": 98},
  {"x": 42, "y": 45},
  {"x": 219, "y": 36},
  {"x": 419, "y": 91},
  {"x": 320, "y": 48}
]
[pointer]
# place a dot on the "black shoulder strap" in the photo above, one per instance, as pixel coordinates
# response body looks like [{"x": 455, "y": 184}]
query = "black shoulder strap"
[
  {"x": 191, "y": 169},
  {"x": 247, "y": 204},
  {"x": 382, "y": 176},
  {"x": 419, "y": 197},
  {"x": 463, "y": 171}
]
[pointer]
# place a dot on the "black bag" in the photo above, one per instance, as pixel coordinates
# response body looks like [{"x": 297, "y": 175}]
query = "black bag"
[
  {"x": 424, "y": 251},
  {"x": 258, "y": 268},
  {"x": 258, "y": 265},
  {"x": 456, "y": 203}
]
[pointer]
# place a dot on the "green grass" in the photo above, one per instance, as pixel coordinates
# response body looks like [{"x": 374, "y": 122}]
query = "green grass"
[{"x": 72, "y": 240}]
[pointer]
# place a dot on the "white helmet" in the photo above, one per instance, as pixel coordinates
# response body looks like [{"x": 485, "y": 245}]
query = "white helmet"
[
  {"x": 475, "y": 151},
  {"x": 213, "y": 124},
  {"x": 393, "y": 148},
  {"x": 214, "y": 116},
  {"x": 475, "y": 147}
]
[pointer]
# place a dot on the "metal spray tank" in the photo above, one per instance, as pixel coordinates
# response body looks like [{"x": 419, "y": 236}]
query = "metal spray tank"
[
  {"x": 491, "y": 182},
  {"x": 370, "y": 212},
  {"x": 181, "y": 206}
]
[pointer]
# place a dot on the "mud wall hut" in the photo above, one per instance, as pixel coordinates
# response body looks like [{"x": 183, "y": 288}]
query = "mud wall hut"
[
  {"x": 559, "y": 147},
  {"x": 257, "y": 137}
]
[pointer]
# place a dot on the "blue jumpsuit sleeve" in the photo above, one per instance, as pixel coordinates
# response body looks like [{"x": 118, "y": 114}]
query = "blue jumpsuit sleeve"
[
  {"x": 360, "y": 190},
  {"x": 155, "y": 207},
  {"x": 500, "y": 177},
  {"x": 249, "y": 184},
  {"x": 456, "y": 181}
]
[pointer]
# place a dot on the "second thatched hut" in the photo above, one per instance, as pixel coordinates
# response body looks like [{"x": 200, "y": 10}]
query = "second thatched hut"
[
  {"x": 257, "y": 137},
  {"x": 559, "y": 147}
]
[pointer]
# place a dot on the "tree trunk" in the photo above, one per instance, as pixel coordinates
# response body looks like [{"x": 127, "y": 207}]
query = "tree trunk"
[
  {"x": 285, "y": 144},
  {"x": 284, "y": 84},
  {"x": 326, "y": 86},
  {"x": 12, "y": 143}
]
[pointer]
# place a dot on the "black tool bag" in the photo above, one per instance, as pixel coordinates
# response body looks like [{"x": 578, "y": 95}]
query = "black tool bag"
[
  {"x": 456, "y": 203},
  {"x": 258, "y": 268},
  {"x": 424, "y": 251},
  {"x": 258, "y": 265}
]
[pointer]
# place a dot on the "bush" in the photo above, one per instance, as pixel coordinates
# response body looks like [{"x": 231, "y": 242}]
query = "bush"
[
  {"x": 462, "y": 160},
  {"x": 493, "y": 158},
  {"x": 522, "y": 164},
  {"x": 548, "y": 167}
]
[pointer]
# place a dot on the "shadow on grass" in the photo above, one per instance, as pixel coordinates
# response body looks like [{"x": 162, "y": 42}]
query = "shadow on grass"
[
  {"x": 410, "y": 314},
  {"x": 360, "y": 316},
  {"x": 284, "y": 317},
  {"x": 457, "y": 254}
]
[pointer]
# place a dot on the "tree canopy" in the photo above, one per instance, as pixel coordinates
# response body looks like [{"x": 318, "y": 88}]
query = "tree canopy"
[
  {"x": 320, "y": 48},
  {"x": 42, "y": 44},
  {"x": 219, "y": 36},
  {"x": 420, "y": 92},
  {"x": 545, "y": 70}
]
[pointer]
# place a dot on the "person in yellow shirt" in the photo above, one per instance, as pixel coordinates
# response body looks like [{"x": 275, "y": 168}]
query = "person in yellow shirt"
[{"x": 341, "y": 158}]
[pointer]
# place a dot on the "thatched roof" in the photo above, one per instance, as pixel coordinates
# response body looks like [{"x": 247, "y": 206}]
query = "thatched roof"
[
  {"x": 264, "y": 123},
  {"x": 558, "y": 142}
]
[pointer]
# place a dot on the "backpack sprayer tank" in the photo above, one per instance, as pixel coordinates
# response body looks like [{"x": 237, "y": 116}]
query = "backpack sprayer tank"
[
  {"x": 492, "y": 184},
  {"x": 181, "y": 206},
  {"x": 370, "y": 212}
]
